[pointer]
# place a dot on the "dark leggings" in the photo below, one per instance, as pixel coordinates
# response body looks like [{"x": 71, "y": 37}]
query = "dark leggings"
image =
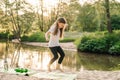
[{"x": 56, "y": 50}]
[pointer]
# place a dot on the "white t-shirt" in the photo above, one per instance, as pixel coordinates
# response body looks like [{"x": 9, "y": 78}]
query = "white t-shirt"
[{"x": 54, "y": 39}]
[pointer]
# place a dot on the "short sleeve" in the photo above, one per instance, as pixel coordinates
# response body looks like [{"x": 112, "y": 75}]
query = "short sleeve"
[{"x": 52, "y": 28}]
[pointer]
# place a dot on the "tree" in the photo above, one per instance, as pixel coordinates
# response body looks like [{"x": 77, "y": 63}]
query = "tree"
[
  {"x": 14, "y": 17},
  {"x": 4, "y": 18},
  {"x": 70, "y": 11}
]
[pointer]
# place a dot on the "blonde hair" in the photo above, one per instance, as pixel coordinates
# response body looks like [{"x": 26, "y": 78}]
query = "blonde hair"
[{"x": 60, "y": 20}]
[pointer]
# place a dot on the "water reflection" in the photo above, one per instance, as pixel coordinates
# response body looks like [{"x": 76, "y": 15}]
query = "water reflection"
[
  {"x": 20, "y": 55},
  {"x": 99, "y": 62}
]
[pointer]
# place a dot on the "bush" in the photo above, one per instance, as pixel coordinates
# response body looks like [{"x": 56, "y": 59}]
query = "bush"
[
  {"x": 25, "y": 38},
  {"x": 115, "y": 21},
  {"x": 83, "y": 40},
  {"x": 93, "y": 45},
  {"x": 106, "y": 43},
  {"x": 115, "y": 49},
  {"x": 4, "y": 35},
  {"x": 111, "y": 39},
  {"x": 36, "y": 37}
]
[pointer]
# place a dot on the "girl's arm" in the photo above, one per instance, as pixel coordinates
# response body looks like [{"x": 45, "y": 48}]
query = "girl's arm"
[{"x": 46, "y": 35}]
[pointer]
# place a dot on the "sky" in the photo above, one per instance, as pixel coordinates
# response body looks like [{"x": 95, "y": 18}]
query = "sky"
[
  {"x": 48, "y": 4},
  {"x": 52, "y": 2}
]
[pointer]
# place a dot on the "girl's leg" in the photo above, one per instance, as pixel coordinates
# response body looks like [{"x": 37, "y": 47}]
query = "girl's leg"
[
  {"x": 55, "y": 56},
  {"x": 62, "y": 54}
]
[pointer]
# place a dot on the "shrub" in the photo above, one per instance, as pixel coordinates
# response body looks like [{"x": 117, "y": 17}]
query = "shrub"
[
  {"x": 36, "y": 37},
  {"x": 82, "y": 40},
  {"x": 115, "y": 49},
  {"x": 106, "y": 43},
  {"x": 93, "y": 45},
  {"x": 111, "y": 39},
  {"x": 25, "y": 38},
  {"x": 4, "y": 35},
  {"x": 85, "y": 39},
  {"x": 115, "y": 21}
]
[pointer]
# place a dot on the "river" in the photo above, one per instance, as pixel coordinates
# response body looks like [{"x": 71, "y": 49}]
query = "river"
[{"x": 34, "y": 57}]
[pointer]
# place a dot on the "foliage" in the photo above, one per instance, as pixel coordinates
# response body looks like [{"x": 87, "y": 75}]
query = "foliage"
[
  {"x": 4, "y": 35},
  {"x": 35, "y": 37},
  {"x": 77, "y": 42},
  {"x": 25, "y": 38},
  {"x": 111, "y": 39},
  {"x": 39, "y": 37},
  {"x": 115, "y": 49},
  {"x": 93, "y": 45},
  {"x": 26, "y": 21},
  {"x": 67, "y": 40},
  {"x": 107, "y": 43},
  {"x": 115, "y": 20},
  {"x": 86, "y": 18}
]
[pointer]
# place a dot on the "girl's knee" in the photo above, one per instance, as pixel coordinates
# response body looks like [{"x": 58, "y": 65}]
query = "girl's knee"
[
  {"x": 55, "y": 57},
  {"x": 63, "y": 55}
]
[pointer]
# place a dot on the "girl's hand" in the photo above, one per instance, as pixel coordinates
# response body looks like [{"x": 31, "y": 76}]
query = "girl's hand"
[
  {"x": 47, "y": 39},
  {"x": 65, "y": 26}
]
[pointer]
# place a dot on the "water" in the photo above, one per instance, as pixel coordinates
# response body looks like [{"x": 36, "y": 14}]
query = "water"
[{"x": 24, "y": 56}]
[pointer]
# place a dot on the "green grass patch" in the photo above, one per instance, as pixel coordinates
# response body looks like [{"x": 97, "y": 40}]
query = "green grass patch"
[{"x": 68, "y": 40}]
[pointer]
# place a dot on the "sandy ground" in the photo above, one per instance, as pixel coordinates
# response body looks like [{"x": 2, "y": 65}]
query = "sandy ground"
[
  {"x": 5, "y": 76},
  {"x": 81, "y": 75},
  {"x": 98, "y": 75}
]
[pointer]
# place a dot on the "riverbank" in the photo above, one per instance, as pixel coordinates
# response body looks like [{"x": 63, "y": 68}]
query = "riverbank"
[{"x": 66, "y": 46}]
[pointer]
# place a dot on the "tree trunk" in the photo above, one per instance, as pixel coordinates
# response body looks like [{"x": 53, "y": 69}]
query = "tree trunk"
[
  {"x": 108, "y": 16},
  {"x": 42, "y": 16}
]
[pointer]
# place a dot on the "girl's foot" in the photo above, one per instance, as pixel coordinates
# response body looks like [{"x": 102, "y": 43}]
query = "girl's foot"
[
  {"x": 59, "y": 68},
  {"x": 49, "y": 69}
]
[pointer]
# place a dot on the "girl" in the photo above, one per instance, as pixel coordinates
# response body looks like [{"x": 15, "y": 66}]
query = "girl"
[{"x": 56, "y": 32}]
